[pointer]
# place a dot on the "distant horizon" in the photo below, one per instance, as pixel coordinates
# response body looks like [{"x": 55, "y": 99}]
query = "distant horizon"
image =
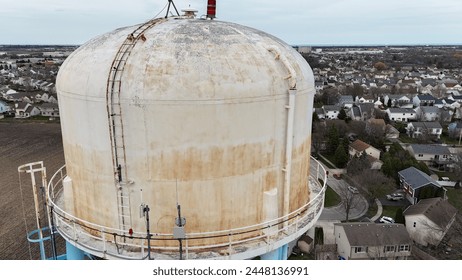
[
  {"x": 300, "y": 22},
  {"x": 293, "y": 45}
]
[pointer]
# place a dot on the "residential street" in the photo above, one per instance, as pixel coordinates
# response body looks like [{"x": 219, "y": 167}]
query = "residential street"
[{"x": 338, "y": 212}]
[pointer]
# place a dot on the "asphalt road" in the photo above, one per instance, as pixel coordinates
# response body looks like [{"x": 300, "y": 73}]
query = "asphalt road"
[{"x": 338, "y": 212}]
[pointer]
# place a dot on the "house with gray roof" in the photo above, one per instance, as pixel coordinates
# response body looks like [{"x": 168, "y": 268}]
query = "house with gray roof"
[
  {"x": 430, "y": 130},
  {"x": 455, "y": 130},
  {"x": 423, "y": 100},
  {"x": 397, "y": 100},
  {"x": 428, "y": 221},
  {"x": 331, "y": 111},
  {"x": 372, "y": 241},
  {"x": 345, "y": 101},
  {"x": 401, "y": 114},
  {"x": 436, "y": 155},
  {"x": 413, "y": 181},
  {"x": 428, "y": 113}
]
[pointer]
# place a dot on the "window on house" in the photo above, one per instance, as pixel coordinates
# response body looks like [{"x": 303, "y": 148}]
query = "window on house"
[
  {"x": 414, "y": 224},
  {"x": 360, "y": 249},
  {"x": 403, "y": 248},
  {"x": 420, "y": 155},
  {"x": 389, "y": 248}
]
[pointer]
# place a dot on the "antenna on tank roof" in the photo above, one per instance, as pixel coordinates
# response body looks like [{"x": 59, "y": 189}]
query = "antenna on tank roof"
[{"x": 170, "y": 3}]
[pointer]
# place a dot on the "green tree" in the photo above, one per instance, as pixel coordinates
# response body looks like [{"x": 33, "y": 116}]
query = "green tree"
[
  {"x": 315, "y": 117},
  {"x": 318, "y": 236},
  {"x": 399, "y": 217},
  {"x": 342, "y": 114},
  {"x": 358, "y": 165},
  {"x": 332, "y": 139},
  {"x": 341, "y": 157}
]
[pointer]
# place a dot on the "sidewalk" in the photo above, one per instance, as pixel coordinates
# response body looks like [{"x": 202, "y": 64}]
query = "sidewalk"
[{"x": 379, "y": 210}]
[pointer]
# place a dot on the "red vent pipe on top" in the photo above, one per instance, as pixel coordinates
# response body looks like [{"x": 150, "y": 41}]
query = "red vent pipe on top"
[{"x": 211, "y": 9}]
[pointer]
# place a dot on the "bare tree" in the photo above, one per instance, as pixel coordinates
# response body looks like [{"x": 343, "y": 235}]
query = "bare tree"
[
  {"x": 350, "y": 200},
  {"x": 375, "y": 184}
]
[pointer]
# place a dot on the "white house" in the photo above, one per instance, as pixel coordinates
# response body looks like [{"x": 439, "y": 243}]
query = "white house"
[
  {"x": 372, "y": 241},
  {"x": 429, "y": 113},
  {"x": 423, "y": 100},
  {"x": 25, "y": 110},
  {"x": 430, "y": 153},
  {"x": 424, "y": 130},
  {"x": 428, "y": 221},
  {"x": 331, "y": 111},
  {"x": 397, "y": 100},
  {"x": 358, "y": 147},
  {"x": 401, "y": 114},
  {"x": 49, "y": 110}
]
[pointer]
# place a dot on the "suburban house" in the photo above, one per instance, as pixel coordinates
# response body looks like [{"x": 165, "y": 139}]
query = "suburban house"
[
  {"x": 391, "y": 132},
  {"x": 358, "y": 147},
  {"x": 320, "y": 113},
  {"x": 49, "y": 110},
  {"x": 429, "y": 113},
  {"x": 372, "y": 241},
  {"x": 431, "y": 130},
  {"x": 455, "y": 130},
  {"x": 355, "y": 113},
  {"x": 4, "y": 107},
  {"x": 413, "y": 181},
  {"x": 423, "y": 100},
  {"x": 397, "y": 100},
  {"x": 345, "y": 101},
  {"x": 366, "y": 110},
  {"x": 429, "y": 220},
  {"x": 401, "y": 114},
  {"x": 331, "y": 111},
  {"x": 436, "y": 155},
  {"x": 25, "y": 110}
]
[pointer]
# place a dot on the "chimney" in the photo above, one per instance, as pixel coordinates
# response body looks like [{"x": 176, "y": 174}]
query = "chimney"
[{"x": 211, "y": 9}]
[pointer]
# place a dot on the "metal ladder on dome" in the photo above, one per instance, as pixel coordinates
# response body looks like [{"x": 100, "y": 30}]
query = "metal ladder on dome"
[{"x": 116, "y": 128}]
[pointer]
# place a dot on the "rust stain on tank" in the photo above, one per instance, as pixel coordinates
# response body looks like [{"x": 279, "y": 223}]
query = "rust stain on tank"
[{"x": 215, "y": 162}]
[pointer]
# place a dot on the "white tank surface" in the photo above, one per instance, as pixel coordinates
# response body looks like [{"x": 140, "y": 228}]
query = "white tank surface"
[{"x": 210, "y": 115}]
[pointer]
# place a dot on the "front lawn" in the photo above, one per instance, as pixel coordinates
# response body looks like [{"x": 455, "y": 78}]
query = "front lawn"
[
  {"x": 455, "y": 198},
  {"x": 390, "y": 211},
  {"x": 331, "y": 198}
]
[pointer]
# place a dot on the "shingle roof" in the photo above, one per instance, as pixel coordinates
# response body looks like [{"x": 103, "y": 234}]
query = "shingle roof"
[
  {"x": 425, "y": 97},
  {"x": 372, "y": 234},
  {"x": 430, "y": 149},
  {"x": 416, "y": 178},
  {"x": 401, "y": 110},
  {"x": 430, "y": 109},
  {"x": 436, "y": 209},
  {"x": 359, "y": 145},
  {"x": 331, "y": 108}
]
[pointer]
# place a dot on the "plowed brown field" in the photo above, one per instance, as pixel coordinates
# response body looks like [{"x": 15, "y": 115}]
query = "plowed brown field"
[{"x": 21, "y": 143}]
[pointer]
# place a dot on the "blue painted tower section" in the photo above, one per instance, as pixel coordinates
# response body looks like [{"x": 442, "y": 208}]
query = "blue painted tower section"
[
  {"x": 73, "y": 253},
  {"x": 278, "y": 254}
]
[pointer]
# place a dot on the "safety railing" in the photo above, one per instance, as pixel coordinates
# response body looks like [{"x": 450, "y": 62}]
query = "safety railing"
[{"x": 110, "y": 242}]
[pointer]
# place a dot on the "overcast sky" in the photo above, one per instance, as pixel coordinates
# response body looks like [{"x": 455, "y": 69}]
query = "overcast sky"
[{"x": 298, "y": 22}]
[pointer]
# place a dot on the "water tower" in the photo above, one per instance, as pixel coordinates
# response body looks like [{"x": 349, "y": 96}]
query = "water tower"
[{"x": 185, "y": 138}]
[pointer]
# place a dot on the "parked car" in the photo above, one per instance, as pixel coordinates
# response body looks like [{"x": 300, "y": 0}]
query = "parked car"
[
  {"x": 353, "y": 189},
  {"x": 337, "y": 176},
  {"x": 386, "y": 220},
  {"x": 395, "y": 196}
]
